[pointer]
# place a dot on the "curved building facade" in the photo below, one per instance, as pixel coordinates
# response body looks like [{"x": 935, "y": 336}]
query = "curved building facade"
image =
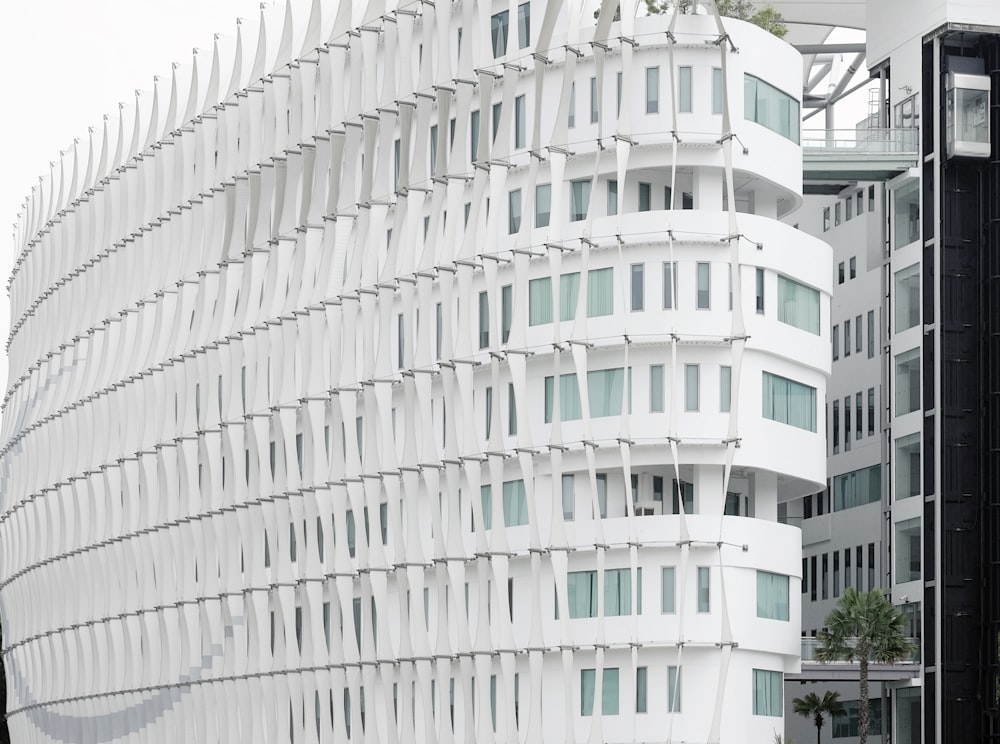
[{"x": 419, "y": 374}]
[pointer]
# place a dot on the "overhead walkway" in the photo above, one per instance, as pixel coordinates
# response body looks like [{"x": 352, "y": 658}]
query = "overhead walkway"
[
  {"x": 842, "y": 671},
  {"x": 833, "y": 159}
]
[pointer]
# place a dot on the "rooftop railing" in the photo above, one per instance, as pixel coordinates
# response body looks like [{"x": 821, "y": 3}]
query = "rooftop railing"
[
  {"x": 859, "y": 141},
  {"x": 809, "y": 646}
]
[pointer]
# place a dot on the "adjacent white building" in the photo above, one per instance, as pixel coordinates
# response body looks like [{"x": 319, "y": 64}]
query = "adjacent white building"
[{"x": 429, "y": 373}]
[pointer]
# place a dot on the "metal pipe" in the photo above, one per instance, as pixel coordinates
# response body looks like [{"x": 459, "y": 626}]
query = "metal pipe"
[{"x": 830, "y": 48}]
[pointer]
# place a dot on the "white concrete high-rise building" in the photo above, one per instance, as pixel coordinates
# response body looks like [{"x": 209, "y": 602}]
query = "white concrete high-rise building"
[{"x": 419, "y": 372}]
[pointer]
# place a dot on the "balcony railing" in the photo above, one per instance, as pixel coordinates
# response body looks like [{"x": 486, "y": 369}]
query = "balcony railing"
[
  {"x": 809, "y": 646},
  {"x": 859, "y": 141}
]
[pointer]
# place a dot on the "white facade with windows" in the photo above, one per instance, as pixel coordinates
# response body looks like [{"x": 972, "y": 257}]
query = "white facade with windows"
[{"x": 398, "y": 376}]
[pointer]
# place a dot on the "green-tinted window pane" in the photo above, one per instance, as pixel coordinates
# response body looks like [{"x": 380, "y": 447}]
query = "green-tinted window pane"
[
  {"x": 539, "y": 301},
  {"x": 789, "y": 402},
  {"x": 569, "y": 293},
  {"x": 600, "y": 292},
  {"x": 766, "y": 693},
  {"x": 772, "y": 596},
  {"x": 543, "y": 204},
  {"x": 667, "y": 590},
  {"x": 673, "y": 689},
  {"x": 581, "y": 593},
  {"x": 798, "y": 305},
  {"x": 579, "y": 200},
  {"x": 656, "y": 388}
]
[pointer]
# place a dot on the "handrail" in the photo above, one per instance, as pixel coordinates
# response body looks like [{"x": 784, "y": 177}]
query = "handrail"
[{"x": 861, "y": 141}]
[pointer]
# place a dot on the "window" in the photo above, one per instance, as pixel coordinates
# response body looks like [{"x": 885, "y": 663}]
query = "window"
[
  {"x": 871, "y": 334},
  {"x": 645, "y": 197},
  {"x": 673, "y": 689},
  {"x": 908, "y": 381},
  {"x": 653, "y": 90},
  {"x": 704, "y": 589},
  {"x": 581, "y": 593},
  {"x": 858, "y": 413},
  {"x": 836, "y": 426},
  {"x": 602, "y": 494},
  {"x": 498, "y": 28},
  {"x": 871, "y": 411},
  {"x": 637, "y": 286},
  {"x": 656, "y": 388},
  {"x": 609, "y": 692},
  {"x": 523, "y": 25},
  {"x": 860, "y": 203},
  {"x": 848, "y": 210},
  {"x": 539, "y": 301},
  {"x": 826, "y": 219},
  {"x": 496, "y": 121},
  {"x": 825, "y": 576},
  {"x": 854, "y": 260},
  {"x": 515, "y": 504},
  {"x": 848, "y": 725},
  {"x": 812, "y": 572},
  {"x": 579, "y": 200},
  {"x": 543, "y": 204},
  {"x": 519, "y": 122},
  {"x": 691, "y": 380},
  {"x": 871, "y": 198},
  {"x": 513, "y": 211},
  {"x": 617, "y": 592},
  {"x": 908, "y": 466},
  {"x": 759, "y": 280},
  {"x": 618, "y": 82},
  {"x": 683, "y": 492},
  {"x": 798, "y": 305},
  {"x": 725, "y": 388},
  {"x": 766, "y": 693},
  {"x": 871, "y": 566},
  {"x": 640, "y": 690},
  {"x": 772, "y": 596},
  {"x": 434, "y": 147},
  {"x": 667, "y": 590},
  {"x": 907, "y": 297},
  {"x": 600, "y": 292},
  {"x": 836, "y": 574},
  {"x": 835, "y": 339},
  {"x": 568, "y": 496},
  {"x": 684, "y": 90},
  {"x": 439, "y": 329},
  {"x": 488, "y": 409},
  {"x": 857, "y": 488},
  {"x": 840, "y": 273},
  {"x": 906, "y": 216},
  {"x": 669, "y": 285},
  {"x": 612, "y": 197},
  {"x": 593, "y": 100},
  {"x": 908, "y": 550},
  {"x": 474, "y": 136},
  {"x": 717, "y": 91},
  {"x": 847, "y": 338},
  {"x": 789, "y": 402},
  {"x": 847, "y": 567},
  {"x": 836, "y": 221},
  {"x": 400, "y": 340},
  {"x": 506, "y": 311},
  {"x": 484, "y": 320},
  {"x": 511, "y": 410},
  {"x": 777, "y": 111},
  {"x": 704, "y": 285},
  {"x": 605, "y": 390},
  {"x": 571, "y": 116}
]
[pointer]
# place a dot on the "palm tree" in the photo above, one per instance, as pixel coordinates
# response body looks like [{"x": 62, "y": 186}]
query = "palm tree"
[
  {"x": 863, "y": 627},
  {"x": 812, "y": 705}
]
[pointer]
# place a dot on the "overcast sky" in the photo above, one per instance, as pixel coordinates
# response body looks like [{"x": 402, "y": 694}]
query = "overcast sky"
[{"x": 68, "y": 63}]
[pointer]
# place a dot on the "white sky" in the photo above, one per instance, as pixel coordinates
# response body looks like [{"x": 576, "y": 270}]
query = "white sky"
[{"x": 69, "y": 62}]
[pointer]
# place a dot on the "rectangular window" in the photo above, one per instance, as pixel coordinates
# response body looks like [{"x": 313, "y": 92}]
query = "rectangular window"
[
  {"x": 539, "y": 301},
  {"x": 857, "y": 334},
  {"x": 717, "y": 92},
  {"x": 523, "y": 25},
  {"x": 612, "y": 197},
  {"x": 725, "y": 388},
  {"x": 488, "y": 409},
  {"x": 640, "y": 690},
  {"x": 499, "y": 25},
  {"x": 400, "y": 340},
  {"x": 618, "y": 81},
  {"x": 854, "y": 259},
  {"x": 617, "y": 592},
  {"x": 684, "y": 90},
  {"x": 789, "y": 402},
  {"x": 798, "y": 305},
  {"x": 439, "y": 329},
  {"x": 568, "y": 496},
  {"x": 691, "y": 384},
  {"x": 908, "y": 466},
  {"x": 543, "y": 204},
  {"x": 908, "y": 550},
  {"x": 673, "y": 689},
  {"x": 496, "y": 121},
  {"x": 667, "y": 590},
  {"x": 569, "y": 294},
  {"x": 683, "y": 494},
  {"x": 847, "y": 338},
  {"x": 836, "y": 221},
  {"x": 600, "y": 292},
  {"x": 907, "y": 297},
  {"x": 847, "y": 423},
  {"x": 826, "y": 219},
  {"x": 825, "y": 576},
  {"x": 571, "y": 116},
  {"x": 704, "y": 285},
  {"x": 506, "y": 311},
  {"x": 871, "y": 198},
  {"x": 581, "y": 593},
  {"x": 871, "y": 411},
  {"x": 812, "y": 572},
  {"x": 858, "y": 414},
  {"x": 836, "y": 426},
  {"x": 474, "y": 136},
  {"x": 835, "y": 340},
  {"x": 767, "y": 692},
  {"x": 579, "y": 201},
  {"x": 511, "y": 410},
  {"x": 836, "y": 574},
  {"x": 871, "y": 566},
  {"x": 519, "y": 122},
  {"x": 857, "y": 488},
  {"x": 669, "y": 285},
  {"x": 602, "y": 494},
  {"x": 847, "y": 567},
  {"x": 704, "y": 589},
  {"x": 848, "y": 726},
  {"x": 848, "y": 206},
  {"x": 434, "y": 147},
  {"x": 860, "y": 203},
  {"x": 766, "y": 105},
  {"x": 593, "y": 100},
  {"x": 908, "y": 381},
  {"x": 859, "y": 568},
  {"x": 772, "y": 596},
  {"x": 759, "y": 283},
  {"x": 653, "y": 90},
  {"x": 606, "y": 389},
  {"x": 906, "y": 217},
  {"x": 871, "y": 334},
  {"x": 656, "y": 388},
  {"x": 513, "y": 211},
  {"x": 609, "y": 692},
  {"x": 515, "y": 505},
  {"x": 638, "y": 286},
  {"x": 484, "y": 320},
  {"x": 645, "y": 197}
]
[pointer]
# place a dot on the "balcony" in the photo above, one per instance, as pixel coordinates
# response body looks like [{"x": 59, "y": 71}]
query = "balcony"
[
  {"x": 834, "y": 157},
  {"x": 841, "y": 671}
]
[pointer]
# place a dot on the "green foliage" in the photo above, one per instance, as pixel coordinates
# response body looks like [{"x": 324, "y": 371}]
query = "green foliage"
[
  {"x": 863, "y": 627},
  {"x": 815, "y": 707},
  {"x": 767, "y": 17}
]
